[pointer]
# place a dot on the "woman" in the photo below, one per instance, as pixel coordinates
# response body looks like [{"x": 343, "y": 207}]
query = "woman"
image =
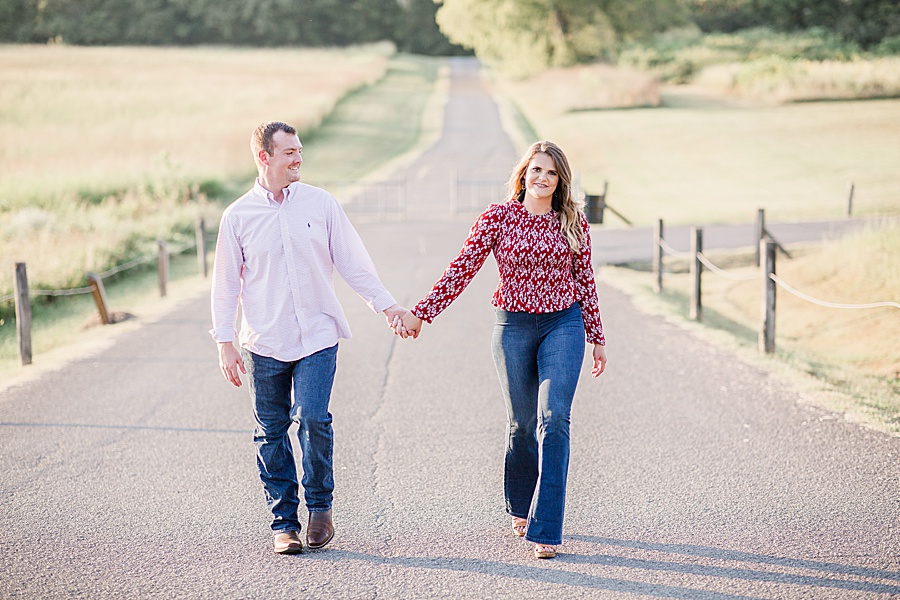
[{"x": 546, "y": 304}]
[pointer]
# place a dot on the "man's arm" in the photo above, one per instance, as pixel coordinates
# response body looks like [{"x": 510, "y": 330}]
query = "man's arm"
[
  {"x": 226, "y": 285},
  {"x": 353, "y": 263}
]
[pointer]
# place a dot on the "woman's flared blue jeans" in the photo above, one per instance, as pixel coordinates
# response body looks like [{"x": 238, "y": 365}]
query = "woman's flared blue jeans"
[
  {"x": 538, "y": 359},
  {"x": 284, "y": 392}
]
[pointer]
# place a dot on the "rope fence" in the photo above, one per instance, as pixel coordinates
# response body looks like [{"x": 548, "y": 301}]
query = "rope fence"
[
  {"x": 22, "y": 296},
  {"x": 142, "y": 260},
  {"x": 672, "y": 251},
  {"x": 824, "y": 303},
  {"x": 765, "y": 260},
  {"x": 722, "y": 272},
  {"x": 69, "y": 292}
]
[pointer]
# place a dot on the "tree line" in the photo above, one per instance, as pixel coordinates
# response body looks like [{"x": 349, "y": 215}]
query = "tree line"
[
  {"x": 556, "y": 32},
  {"x": 410, "y": 24},
  {"x": 522, "y": 37}
]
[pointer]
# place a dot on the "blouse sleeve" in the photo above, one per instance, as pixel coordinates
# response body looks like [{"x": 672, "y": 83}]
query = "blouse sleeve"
[
  {"x": 586, "y": 288},
  {"x": 460, "y": 272}
]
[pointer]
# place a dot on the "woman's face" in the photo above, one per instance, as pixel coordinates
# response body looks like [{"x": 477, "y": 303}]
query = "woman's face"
[{"x": 541, "y": 177}]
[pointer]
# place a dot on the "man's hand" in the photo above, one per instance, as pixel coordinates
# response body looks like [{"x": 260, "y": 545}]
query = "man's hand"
[{"x": 230, "y": 362}]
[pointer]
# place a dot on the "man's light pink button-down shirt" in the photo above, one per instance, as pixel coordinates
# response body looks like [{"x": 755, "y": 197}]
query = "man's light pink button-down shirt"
[{"x": 278, "y": 262}]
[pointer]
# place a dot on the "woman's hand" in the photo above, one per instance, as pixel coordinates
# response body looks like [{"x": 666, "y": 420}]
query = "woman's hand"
[
  {"x": 599, "y": 360},
  {"x": 411, "y": 323}
]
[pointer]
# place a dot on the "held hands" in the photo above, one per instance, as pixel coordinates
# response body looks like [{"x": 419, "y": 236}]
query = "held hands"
[{"x": 402, "y": 322}]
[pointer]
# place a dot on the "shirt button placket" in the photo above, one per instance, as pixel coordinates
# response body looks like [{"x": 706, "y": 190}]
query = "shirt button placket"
[{"x": 293, "y": 275}]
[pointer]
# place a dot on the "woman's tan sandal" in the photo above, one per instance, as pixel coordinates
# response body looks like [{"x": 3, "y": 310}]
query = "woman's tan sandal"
[
  {"x": 519, "y": 526},
  {"x": 544, "y": 551}
]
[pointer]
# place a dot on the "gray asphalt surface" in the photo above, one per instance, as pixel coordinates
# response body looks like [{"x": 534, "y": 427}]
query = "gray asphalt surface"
[{"x": 131, "y": 473}]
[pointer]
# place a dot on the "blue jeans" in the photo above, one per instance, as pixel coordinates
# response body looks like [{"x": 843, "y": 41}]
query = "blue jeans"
[
  {"x": 271, "y": 382},
  {"x": 538, "y": 359}
]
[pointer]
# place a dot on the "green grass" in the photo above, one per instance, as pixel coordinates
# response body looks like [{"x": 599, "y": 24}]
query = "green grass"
[
  {"x": 767, "y": 66},
  {"x": 678, "y": 55},
  {"x": 68, "y": 322},
  {"x": 374, "y": 125}
]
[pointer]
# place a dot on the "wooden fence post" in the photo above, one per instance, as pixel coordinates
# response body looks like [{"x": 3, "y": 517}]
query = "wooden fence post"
[
  {"x": 99, "y": 293},
  {"x": 760, "y": 233},
  {"x": 593, "y": 208},
  {"x": 201, "y": 247},
  {"x": 850, "y": 189},
  {"x": 163, "y": 268},
  {"x": 767, "y": 248},
  {"x": 23, "y": 314},
  {"x": 658, "y": 256},
  {"x": 696, "y": 269}
]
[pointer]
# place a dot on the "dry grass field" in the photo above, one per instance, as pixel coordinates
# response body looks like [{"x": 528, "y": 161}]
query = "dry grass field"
[
  {"x": 367, "y": 129},
  {"x": 702, "y": 158},
  {"x": 699, "y": 158},
  {"x": 846, "y": 359},
  {"x": 105, "y": 149},
  {"x": 99, "y": 119},
  {"x": 777, "y": 81}
]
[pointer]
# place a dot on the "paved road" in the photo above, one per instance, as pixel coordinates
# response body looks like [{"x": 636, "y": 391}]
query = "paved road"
[{"x": 130, "y": 473}]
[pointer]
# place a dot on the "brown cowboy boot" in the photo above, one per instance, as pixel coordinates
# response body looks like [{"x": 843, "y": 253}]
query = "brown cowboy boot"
[
  {"x": 319, "y": 529},
  {"x": 288, "y": 542}
]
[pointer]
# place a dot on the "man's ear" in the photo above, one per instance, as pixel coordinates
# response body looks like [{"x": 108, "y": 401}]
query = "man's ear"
[{"x": 263, "y": 156}]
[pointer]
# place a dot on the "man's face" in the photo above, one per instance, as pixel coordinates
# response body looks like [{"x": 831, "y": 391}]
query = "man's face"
[{"x": 283, "y": 166}]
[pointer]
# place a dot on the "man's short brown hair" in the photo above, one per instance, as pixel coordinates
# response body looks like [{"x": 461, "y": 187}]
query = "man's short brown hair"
[{"x": 262, "y": 136}]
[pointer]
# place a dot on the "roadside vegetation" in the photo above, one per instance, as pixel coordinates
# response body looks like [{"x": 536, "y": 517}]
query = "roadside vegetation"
[
  {"x": 769, "y": 66},
  {"x": 692, "y": 111},
  {"x": 847, "y": 360},
  {"x": 708, "y": 128},
  {"x": 107, "y": 149},
  {"x": 705, "y": 159},
  {"x": 62, "y": 236}
]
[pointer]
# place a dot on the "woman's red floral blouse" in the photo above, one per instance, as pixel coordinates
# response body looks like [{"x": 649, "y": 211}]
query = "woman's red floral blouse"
[{"x": 538, "y": 271}]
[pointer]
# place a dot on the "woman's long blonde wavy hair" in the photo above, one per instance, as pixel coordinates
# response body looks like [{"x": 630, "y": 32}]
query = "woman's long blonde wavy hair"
[{"x": 567, "y": 207}]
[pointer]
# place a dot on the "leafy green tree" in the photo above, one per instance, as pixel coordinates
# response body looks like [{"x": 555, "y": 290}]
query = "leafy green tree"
[
  {"x": 866, "y": 22},
  {"x": 521, "y": 37},
  {"x": 418, "y": 31},
  {"x": 17, "y": 19},
  {"x": 408, "y": 23}
]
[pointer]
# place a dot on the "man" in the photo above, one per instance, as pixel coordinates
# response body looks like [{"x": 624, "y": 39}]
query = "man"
[{"x": 277, "y": 249}]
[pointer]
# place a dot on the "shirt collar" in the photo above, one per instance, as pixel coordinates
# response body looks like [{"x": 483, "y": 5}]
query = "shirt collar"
[
  {"x": 521, "y": 208},
  {"x": 269, "y": 196}
]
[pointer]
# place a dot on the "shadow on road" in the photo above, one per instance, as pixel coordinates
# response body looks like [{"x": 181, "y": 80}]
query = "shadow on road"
[
  {"x": 738, "y": 573},
  {"x": 539, "y": 574},
  {"x": 246, "y": 432}
]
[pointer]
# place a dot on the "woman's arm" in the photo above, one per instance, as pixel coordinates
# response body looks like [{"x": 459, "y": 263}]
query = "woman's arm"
[
  {"x": 586, "y": 289},
  {"x": 462, "y": 269}
]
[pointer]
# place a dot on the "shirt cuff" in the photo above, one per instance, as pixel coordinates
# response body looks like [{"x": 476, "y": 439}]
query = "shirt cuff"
[
  {"x": 222, "y": 334},
  {"x": 597, "y": 339},
  {"x": 382, "y": 302}
]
